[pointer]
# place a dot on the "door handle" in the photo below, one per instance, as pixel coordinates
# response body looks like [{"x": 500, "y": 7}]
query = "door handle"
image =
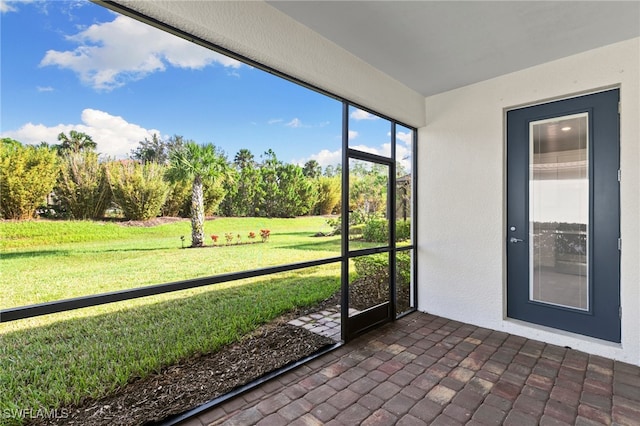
[{"x": 515, "y": 240}]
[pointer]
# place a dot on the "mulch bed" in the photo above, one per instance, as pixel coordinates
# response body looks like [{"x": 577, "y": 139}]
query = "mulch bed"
[
  {"x": 198, "y": 380},
  {"x": 156, "y": 221}
]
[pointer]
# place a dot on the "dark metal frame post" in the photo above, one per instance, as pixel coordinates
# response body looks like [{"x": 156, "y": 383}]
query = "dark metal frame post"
[
  {"x": 391, "y": 207},
  {"x": 344, "y": 225},
  {"x": 414, "y": 214}
]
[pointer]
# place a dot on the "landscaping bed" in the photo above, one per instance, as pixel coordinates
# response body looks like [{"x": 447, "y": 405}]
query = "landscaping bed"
[
  {"x": 202, "y": 378},
  {"x": 197, "y": 380}
]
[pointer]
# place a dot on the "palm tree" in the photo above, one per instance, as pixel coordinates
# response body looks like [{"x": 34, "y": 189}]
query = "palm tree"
[
  {"x": 197, "y": 163},
  {"x": 243, "y": 159},
  {"x": 76, "y": 142}
]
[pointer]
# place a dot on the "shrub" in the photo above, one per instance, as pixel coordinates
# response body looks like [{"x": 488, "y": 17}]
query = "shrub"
[
  {"x": 403, "y": 230},
  {"x": 403, "y": 266},
  {"x": 139, "y": 190},
  {"x": 178, "y": 201},
  {"x": 213, "y": 193},
  {"x": 82, "y": 190},
  {"x": 376, "y": 230},
  {"x": 376, "y": 267},
  {"x": 27, "y": 176},
  {"x": 356, "y": 230},
  {"x": 328, "y": 195}
]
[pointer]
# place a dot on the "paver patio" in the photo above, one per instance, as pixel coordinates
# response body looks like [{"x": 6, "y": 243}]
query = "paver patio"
[{"x": 424, "y": 369}]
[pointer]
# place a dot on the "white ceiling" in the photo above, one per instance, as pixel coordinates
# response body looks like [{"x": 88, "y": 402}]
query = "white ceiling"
[{"x": 435, "y": 46}]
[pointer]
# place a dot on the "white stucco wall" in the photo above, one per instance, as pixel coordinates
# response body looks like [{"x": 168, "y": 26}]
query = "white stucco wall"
[
  {"x": 461, "y": 193},
  {"x": 260, "y": 32}
]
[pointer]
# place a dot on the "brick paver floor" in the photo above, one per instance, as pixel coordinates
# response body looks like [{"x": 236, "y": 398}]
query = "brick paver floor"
[{"x": 425, "y": 369}]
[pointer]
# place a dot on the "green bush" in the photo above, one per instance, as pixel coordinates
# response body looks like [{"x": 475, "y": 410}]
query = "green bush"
[
  {"x": 376, "y": 267},
  {"x": 82, "y": 190},
  {"x": 403, "y": 230},
  {"x": 213, "y": 193},
  {"x": 328, "y": 195},
  {"x": 376, "y": 230},
  {"x": 139, "y": 190},
  {"x": 27, "y": 176},
  {"x": 178, "y": 202},
  {"x": 403, "y": 266},
  {"x": 356, "y": 229}
]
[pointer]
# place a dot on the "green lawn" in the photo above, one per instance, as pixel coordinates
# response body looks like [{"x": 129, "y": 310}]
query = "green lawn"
[
  {"x": 42, "y": 261},
  {"x": 63, "y": 358}
]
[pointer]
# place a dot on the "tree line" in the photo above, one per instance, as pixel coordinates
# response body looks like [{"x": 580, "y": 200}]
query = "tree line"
[{"x": 176, "y": 177}]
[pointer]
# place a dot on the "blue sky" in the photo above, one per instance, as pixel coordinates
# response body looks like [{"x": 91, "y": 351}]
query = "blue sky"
[{"x": 74, "y": 65}]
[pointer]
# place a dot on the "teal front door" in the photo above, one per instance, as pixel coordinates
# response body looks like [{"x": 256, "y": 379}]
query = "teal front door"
[{"x": 563, "y": 215}]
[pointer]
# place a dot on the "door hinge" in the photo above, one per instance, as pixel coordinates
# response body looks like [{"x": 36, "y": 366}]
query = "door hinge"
[
  {"x": 619, "y": 108},
  {"x": 619, "y": 175},
  {"x": 620, "y": 312},
  {"x": 619, "y": 243}
]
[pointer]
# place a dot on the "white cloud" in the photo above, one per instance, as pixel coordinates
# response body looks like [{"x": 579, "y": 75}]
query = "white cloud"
[
  {"x": 295, "y": 123},
  {"x": 111, "y": 54},
  {"x": 359, "y": 114},
  {"x": 5, "y": 7},
  {"x": 10, "y": 5},
  {"x": 44, "y": 89},
  {"x": 384, "y": 150},
  {"x": 275, "y": 121},
  {"x": 406, "y": 137},
  {"x": 352, "y": 134},
  {"x": 114, "y": 136},
  {"x": 324, "y": 158},
  {"x": 403, "y": 156}
]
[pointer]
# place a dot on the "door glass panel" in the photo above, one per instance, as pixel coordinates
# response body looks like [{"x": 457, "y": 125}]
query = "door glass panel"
[
  {"x": 368, "y": 219},
  {"x": 559, "y": 211},
  {"x": 368, "y": 282}
]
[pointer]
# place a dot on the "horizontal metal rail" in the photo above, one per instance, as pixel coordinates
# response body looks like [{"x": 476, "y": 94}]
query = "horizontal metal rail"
[
  {"x": 22, "y": 312},
  {"x": 376, "y": 250}
]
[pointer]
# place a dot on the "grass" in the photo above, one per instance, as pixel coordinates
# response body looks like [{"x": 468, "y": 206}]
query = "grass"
[
  {"x": 49, "y": 361},
  {"x": 46, "y": 261},
  {"x": 72, "y": 359}
]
